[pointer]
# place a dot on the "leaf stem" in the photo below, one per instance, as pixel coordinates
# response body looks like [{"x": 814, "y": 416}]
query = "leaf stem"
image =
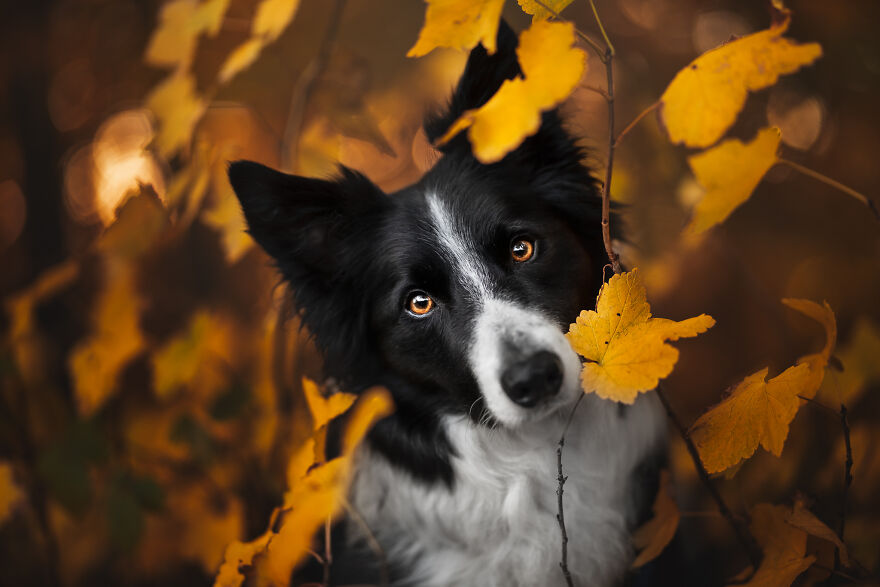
[
  {"x": 608, "y": 43},
  {"x": 635, "y": 121},
  {"x": 833, "y": 183},
  {"x": 847, "y": 474},
  {"x": 745, "y": 538}
]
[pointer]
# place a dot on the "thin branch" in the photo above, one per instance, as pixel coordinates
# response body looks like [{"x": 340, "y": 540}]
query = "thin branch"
[
  {"x": 746, "y": 540},
  {"x": 847, "y": 471},
  {"x": 599, "y": 91},
  {"x": 833, "y": 183},
  {"x": 560, "y": 479},
  {"x": 635, "y": 121},
  {"x": 818, "y": 404},
  {"x": 304, "y": 87},
  {"x": 384, "y": 575}
]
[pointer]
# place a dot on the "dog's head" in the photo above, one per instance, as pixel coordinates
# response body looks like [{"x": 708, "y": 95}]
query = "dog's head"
[{"x": 456, "y": 289}]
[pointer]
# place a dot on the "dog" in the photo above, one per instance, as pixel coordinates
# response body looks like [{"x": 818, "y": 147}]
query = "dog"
[{"x": 455, "y": 294}]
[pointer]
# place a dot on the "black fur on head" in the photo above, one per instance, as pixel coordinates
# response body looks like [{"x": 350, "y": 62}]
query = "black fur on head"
[{"x": 342, "y": 244}]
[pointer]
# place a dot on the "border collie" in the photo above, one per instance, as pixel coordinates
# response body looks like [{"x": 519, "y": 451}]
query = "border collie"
[{"x": 455, "y": 293}]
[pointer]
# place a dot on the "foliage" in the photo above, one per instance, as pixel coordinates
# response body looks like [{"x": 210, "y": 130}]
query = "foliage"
[{"x": 156, "y": 414}]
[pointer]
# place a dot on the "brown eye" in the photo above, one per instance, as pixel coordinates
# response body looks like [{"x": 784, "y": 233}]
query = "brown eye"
[
  {"x": 522, "y": 250},
  {"x": 420, "y": 303}
]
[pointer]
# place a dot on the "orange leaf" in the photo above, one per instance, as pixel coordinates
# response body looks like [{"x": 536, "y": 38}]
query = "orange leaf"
[
  {"x": 801, "y": 517},
  {"x": 659, "y": 531},
  {"x": 458, "y": 24},
  {"x": 784, "y": 547},
  {"x": 324, "y": 409},
  {"x": 625, "y": 347},
  {"x": 704, "y": 98},
  {"x": 539, "y": 12}
]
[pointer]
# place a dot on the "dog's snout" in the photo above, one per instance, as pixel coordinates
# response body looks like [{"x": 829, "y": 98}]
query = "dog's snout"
[{"x": 528, "y": 381}]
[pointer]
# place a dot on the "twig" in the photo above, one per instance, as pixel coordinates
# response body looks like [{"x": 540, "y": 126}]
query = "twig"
[
  {"x": 833, "y": 183},
  {"x": 608, "y": 43},
  {"x": 818, "y": 404},
  {"x": 847, "y": 471},
  {"x": 635, "y": 121},
  {"x": 304, "y": 86},
  {"x": 560, "y": 479},
  {"x": 742, "y": 534},
  {"x": 599, "y": 91},
  {"x": 384, "y": 575}
]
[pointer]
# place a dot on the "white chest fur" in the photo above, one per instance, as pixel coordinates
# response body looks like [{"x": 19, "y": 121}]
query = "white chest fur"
[{"x": 498, "y": 526}]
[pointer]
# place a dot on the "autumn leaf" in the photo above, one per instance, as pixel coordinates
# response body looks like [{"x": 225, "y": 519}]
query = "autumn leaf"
[
  {"x": 96, "y": 362},
  {"x": 784, "y": 547},
  {"x": 552, "y": 68},
  {"x": 178, "y": 108},
  {"x": 759, "y": 411},
  {"x": 324, "y": 409},
  {"x": 240, "y": 59},
  {"x": 194, "y": 358},
  {"x": 272, "y": 17},
  {"x": 458, "y": 24},
  {"x": 861, "y": 367},
  {"x": 11, "y": 495},
  {"x": 704, "y": 98},
  {"x": 181, "y": 22},
  {"x": 625, "y": 347},
  {"x": 539, "y": 12},
  {"x": 730, "y": 173},
  {"x": 226, "y": 217},
  {"x": 651, "y": 538},
  {"x": 238, "y": 556},
  {"x": 801, "y": 517}
]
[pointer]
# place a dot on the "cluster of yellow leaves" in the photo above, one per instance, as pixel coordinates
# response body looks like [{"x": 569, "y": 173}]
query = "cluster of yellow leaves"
[
  {"x": 551, "y": 66},
  {"x": 759, "y": 411},
  {"x": 625, "y": 347},
  {"x": 702, "y": 103},
  {"x": 650, "y": 539},
  {"x": 316, "y": 489},
  {"x": 176, "y": 101}
]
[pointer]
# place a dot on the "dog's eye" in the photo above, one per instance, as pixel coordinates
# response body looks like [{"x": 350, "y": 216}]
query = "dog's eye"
[
  {"x": 522, "y": 249},
  {"x": 419, "y": 303}
]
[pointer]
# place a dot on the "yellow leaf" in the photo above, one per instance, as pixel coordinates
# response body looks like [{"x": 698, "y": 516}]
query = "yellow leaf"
[
  {"x": 860, "y": 366},
  {"x": 538, "y": 12},
  {"x": 240, "y": 59},
  {"x": 801, "y": 517},
  {"x": 194, "y": 358},
  {"x": 625, "y": 347},
  {"x": 96, "y": 362},
  {"x": 227, "y": 218},
  {"x": 458, "y": 24},
  {"x": 239, "y": 555},
  {"x": 272, "y": 17},
  {"x": 324, "y": 409},
  {"x": 730, "y": 173},
  {"x": 704, "y": 98},
  {"x": 653, "y": 536},
  {"x": 552, "y": 67},
  {"x": 759, "y": 411},
  {"x": 11, "y": 495},
  {"x": 784, "y": 547},
  {"x": 178, "y": 108},
  {"x": 373, "y": 405},
  {"x": 181, "y": 22}
]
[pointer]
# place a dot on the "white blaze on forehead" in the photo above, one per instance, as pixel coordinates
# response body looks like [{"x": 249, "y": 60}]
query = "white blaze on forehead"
[{"x": 458, "y": 248}]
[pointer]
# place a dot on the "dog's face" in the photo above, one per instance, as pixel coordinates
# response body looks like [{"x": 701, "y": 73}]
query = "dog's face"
[{"x": 454, "y": 292}]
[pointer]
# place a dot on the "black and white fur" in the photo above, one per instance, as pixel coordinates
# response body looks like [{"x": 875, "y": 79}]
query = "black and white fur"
[{"x": 459, "y": 485}]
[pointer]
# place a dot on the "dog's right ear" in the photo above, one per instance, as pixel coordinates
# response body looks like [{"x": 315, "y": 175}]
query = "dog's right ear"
[{"x": 299, "y": 221}]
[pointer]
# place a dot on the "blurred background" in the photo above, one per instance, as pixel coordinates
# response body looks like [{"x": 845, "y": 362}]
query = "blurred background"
[{"x": 150, "y": 389}]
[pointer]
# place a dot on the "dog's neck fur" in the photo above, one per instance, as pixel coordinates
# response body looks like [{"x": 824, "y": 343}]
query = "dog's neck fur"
[{"x": 496, "y": 524}]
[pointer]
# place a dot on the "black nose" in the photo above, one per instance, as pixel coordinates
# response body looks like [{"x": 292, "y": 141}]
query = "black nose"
[{"x": 528, "y": 381}]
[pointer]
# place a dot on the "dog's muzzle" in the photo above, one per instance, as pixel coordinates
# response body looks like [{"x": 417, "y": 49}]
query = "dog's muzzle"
[{"x": 529, "y": 381}]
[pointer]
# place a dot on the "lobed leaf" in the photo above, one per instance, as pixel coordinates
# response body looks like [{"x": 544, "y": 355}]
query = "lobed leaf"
[
  {"x": 625, "y": 347},
  {"x": 784, "y": 547},
  {"x": 458, "y": 24},
  {"x": 539, "y": 12}
]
